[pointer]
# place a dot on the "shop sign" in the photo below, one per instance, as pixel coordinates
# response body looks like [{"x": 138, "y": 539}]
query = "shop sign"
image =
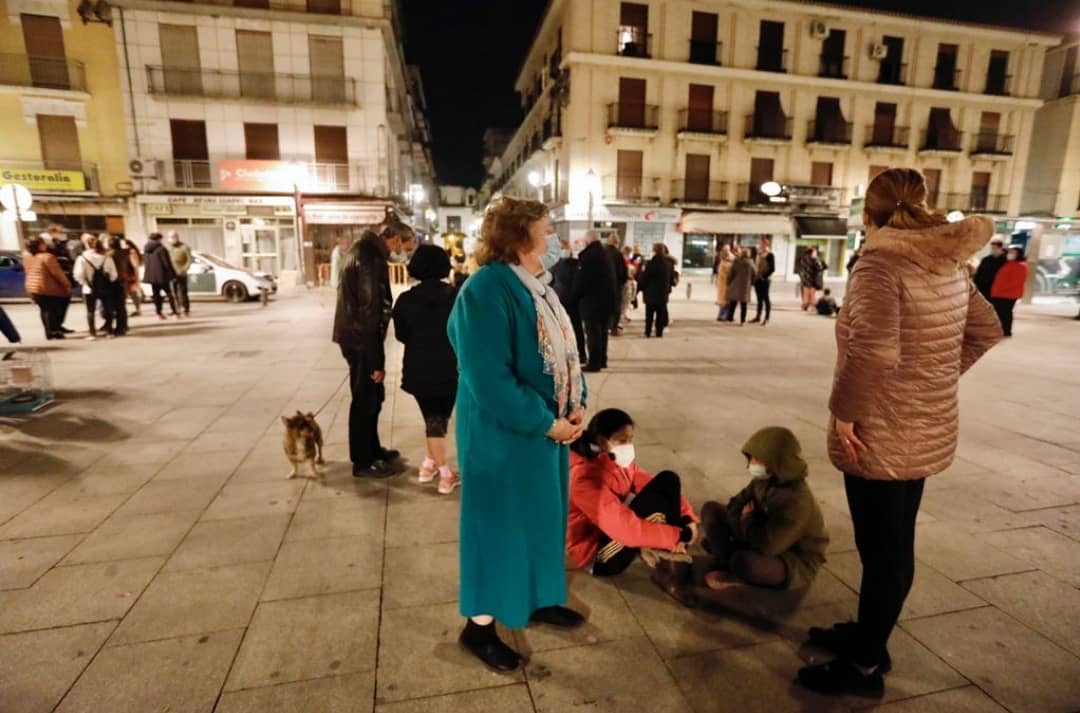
[
  {"x": 261, "y": 175},
  {"x": 620, "y": 213},
  {"x": 344, "y": 216},
  {"x": 43, "y": 179},
  {"x": 237, "y": 203},
  {"x": 158, "y": 209},
  {"x": 283, "y": 209}
]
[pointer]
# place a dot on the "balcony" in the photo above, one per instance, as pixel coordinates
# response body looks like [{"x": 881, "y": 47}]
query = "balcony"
[
  {"x": 631, "y": 189},
  {"x": 946, "y": 79},
  {"x": 767, "y": 127},
  {"x": 703, "y": 124},
  {"x": 978, "y": 201},
  {"x": 883, "y": 136},
  {"x": 260, "y": 86},
  {"x": 551, "y": 131},
  {"x": 1070, "y": 87},
  {"x": 66, "y": 176},
  {"x": 834, "y": 67},
  {"x": 834, "y": 132},
  {"x": 624, "y": 117},
  {"x": 705, "y": 52},
  {"x": 771, "y": 60},
  {"x": 893, "y": 73},
  {"x": 950, "y": 141},
  {"x": 750, "y": 196},
  {"x": 19, "y": 70},
  {"x": 632, "y": 41},
  {"x": 191, "y": 173},
  {"x": 320, "y": 7},
  {"x": 990, "y": 144},
  {"x": 998, "y": 85},
  {"x": 699, "y": 192}
]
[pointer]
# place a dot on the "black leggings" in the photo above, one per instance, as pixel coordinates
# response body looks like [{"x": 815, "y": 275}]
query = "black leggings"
[
  {"x": 761, "y": 290},
  {"x": 52, "y": 310},
  {"x": 731, "y": 311},
  {"x": 1004, "y": 309},
  {"x": 735, "y": 556},
  {"x": 883, "y": 513},
  {"x": 659, "y": 501},
  {"x": 436, "y": 411}
]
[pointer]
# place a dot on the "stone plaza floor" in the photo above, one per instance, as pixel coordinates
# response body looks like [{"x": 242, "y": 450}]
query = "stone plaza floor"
[{"x": 154, "y": 557}]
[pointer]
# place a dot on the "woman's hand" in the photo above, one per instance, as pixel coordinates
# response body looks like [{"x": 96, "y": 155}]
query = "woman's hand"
[
  {"x": 851, "y": 443},
  {"x": 577, "y": 418},
  {"x": 565, "y": 432}
]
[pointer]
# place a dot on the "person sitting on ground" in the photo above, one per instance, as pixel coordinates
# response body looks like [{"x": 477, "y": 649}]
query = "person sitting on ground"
[
  {"x": 827, "y": 306},
  {"x": 605, "y": 533},
  {"x": 771, "y": 534}
]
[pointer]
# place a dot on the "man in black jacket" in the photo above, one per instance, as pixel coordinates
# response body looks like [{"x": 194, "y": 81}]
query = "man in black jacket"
[
  {"x": 622, "y": 276},
  {"x": 594, "y": 293},
  {"x": 158, "y": 272},
  {"x": 563, "y": 276},
  {"x": 360, "y": 323},
  {"x": 989, "y": 266}
]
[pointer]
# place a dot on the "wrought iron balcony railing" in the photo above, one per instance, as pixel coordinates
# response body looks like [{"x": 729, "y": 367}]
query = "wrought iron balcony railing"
[
  {"x": 699, "y": 191},
  {"x": 627, "y": 115},
  {"x": 828, "y": 131},
  {"x": 990, "y": 143},
  {"x": 631, "y": 188},
  {"x": 763, "y": 125},
  {"x": 942, "y": 140},
  {"x": 705, "y": 52},
  {"x": 834, "y": 67},
  {"x": 20, "y": 70},
  {"x": 703, "y": 121},
  {"x": 265, "y": 86},
  {"x": 633, "y": 41},
  {"x": 886, "y": 136},
  {"x": 894, "y": 73}
]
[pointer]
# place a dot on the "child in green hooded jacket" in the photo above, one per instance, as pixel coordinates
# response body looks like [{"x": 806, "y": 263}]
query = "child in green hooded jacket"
[{"x": 772, "y": 533}]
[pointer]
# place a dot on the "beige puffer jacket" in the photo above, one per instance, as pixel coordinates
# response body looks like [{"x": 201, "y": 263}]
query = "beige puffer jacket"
[{"x": 911, "y": 324}]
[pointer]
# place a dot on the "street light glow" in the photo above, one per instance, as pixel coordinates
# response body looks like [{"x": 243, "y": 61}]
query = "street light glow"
[
  {"x": 535, "y": 179},
  {"x": 954, "y": 216},
  {"x": 771, "y": 188}
]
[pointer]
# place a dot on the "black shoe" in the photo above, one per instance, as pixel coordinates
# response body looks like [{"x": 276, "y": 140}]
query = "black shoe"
[
  {"x": 841, "y": 677},
  {"x": 389, "y": 455},
  {"x": 483, "y": 643},
  {"x": 377, "y": 469},
  {"x": 557, "y": 616},
  {"x": 58, "y": 335},
  {"x": 755, "y": 320},
  {"x": 840, "y": 640},
  {"x": 591, "y": 369}
]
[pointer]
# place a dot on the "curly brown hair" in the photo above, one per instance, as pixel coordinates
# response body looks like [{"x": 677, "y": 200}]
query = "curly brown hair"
[{"x": 505, "y": 230}]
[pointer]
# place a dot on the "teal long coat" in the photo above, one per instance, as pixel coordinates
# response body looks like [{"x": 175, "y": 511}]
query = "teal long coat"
[{"x": 514, "y": 491}]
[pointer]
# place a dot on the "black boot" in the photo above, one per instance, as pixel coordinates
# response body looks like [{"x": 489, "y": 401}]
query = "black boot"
[
  {"x": 842, "y": 677},
  {"x": 840, "y": 640},
  {"x": 561, "y": 617},
  {"x": 484, "y": 643}
]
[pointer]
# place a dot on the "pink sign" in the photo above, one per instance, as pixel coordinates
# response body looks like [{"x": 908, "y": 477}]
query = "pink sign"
[{"x": 277, "y": 176}]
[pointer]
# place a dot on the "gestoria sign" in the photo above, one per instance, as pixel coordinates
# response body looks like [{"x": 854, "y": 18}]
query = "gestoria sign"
[
  {"x": 277, "y": 176},
  {"x": 37, "y": 179}
]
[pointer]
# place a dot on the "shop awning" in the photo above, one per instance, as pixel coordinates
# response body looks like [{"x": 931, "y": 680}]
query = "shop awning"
[
  {"x": 820, "y": 226},
  {"x": 735, "y": 223}
]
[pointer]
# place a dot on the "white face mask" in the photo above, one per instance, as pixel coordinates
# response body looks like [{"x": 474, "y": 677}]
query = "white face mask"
[
  {"x": 1010, "y": 256},
  {"x": 623, "y": 454},
  {"x": 757, "y": 470}
]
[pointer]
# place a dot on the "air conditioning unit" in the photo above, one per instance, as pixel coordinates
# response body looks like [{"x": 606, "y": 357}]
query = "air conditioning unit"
[
  {"x": 879, "y": 51},
  {"x": 818, "y": 30},
  {"x": 144, "y": 168}
]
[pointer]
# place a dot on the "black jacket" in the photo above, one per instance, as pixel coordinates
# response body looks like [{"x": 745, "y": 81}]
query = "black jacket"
[
  {"x": 594, "y": 284},
  {"x": 157, "y": 265},
  {"x": 618, "y": 264},
  {"x": 364, "y": 301},
  {"x": 765, "y": 271},
  {"x": 563, "y": 274},
  {"x": 656, "y": 280},
  {"x": 986, "y": 272},
  {"x": 420, "y": 315}
]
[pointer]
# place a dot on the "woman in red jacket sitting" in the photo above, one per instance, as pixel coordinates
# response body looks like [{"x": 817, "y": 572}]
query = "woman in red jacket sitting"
[
  {"x": 1008, "y": 286},
  {"x": 606, "y": 532}
]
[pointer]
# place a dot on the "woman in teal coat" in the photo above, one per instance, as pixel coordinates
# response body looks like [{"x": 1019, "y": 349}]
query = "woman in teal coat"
[{"x": 520, "y": 402}]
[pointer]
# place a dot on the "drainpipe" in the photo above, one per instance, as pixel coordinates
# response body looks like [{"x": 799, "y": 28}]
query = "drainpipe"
[{"x": 131, "y": 90}]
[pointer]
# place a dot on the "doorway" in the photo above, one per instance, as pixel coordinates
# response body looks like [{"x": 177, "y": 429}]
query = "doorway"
[{"x": 260, "y": 245}]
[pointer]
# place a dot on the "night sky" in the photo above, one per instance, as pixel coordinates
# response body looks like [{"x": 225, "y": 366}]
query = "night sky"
[{"x": 469, "y": 53}]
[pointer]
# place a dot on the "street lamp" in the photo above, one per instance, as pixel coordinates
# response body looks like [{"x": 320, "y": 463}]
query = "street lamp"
[
  {"x": 954, "y": 216},
  {"x": 536, "y": 180},
  {"x": 771, "y": 188},
  {"x": 591, "y": 179},
  {"x": 17, "y": 198}
]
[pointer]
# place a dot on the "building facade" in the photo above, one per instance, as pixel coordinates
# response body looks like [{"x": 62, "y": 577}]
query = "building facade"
[
  {"x": 663, "y": 119},
  {"x": 60, "y": 103},
  {"x": 262, "y": 130}
]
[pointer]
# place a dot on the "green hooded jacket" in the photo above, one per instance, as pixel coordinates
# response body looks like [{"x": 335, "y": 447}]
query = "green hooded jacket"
[{"x": 786, "y": 521}]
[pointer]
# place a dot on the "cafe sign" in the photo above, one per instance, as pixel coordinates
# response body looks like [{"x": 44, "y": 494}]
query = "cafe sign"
[
  {"x": 277, "y": 176},
  {"x": 43, "y": 179}
]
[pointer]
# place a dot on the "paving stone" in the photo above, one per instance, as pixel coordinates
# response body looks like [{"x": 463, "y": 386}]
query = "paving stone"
[
  {"x": 968, "y": 699},
  {"x": 419, "y": 655},
  {"x": 160, "y": 496},
  {"x": 131, "y": 537},
  {"x": 22, "y": 562},
  {"x": 175, "y": 675},
  {"x": 225, "y": 542},
  {"x": 608, "y": 617},
  {"x": 145, "y": 451},
  {"x": 253, "y": 499},
  {"x": 38, "y": 667},
  {"x": 77, "y": 595},
  {"x": 512, "y": 698},
  {"x": 313, "y": 637},
  {"x": 1042, "y": 548},
  {"x": 339, "y": 517},
  {"x": 353, "y": 693},
  {"x": 218, "y": 464},
  {"x": 18, "y": 492},
  {"x": 427, "y": 574},
  {"x": 111, "y": 479},
  {"x": 960, "y": 556},
  {"x": 1016, "y": 666},
  {"x": 425, "y": 523},
  {"x": 61, "y": 514},
  {"x": 194, "y": 602},
  {"x": 611, "y": 677},
  {"x": 310, "y": 567},
  {"x": 1038, "y": 600}
]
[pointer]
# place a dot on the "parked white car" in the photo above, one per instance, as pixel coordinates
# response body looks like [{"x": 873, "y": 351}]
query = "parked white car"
[{"x": 210, "y": 275}]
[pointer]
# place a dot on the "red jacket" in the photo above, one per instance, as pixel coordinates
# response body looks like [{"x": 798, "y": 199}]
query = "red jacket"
[
  {"x": 598, "y": 492},
  {"x": 1010, "y": 280}
]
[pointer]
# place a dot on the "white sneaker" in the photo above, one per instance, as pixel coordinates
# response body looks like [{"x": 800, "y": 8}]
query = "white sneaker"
[{"x": 91, "y": 338}]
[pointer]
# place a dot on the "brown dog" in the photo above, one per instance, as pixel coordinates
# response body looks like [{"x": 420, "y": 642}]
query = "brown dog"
[{"x": 303, "y": 442}]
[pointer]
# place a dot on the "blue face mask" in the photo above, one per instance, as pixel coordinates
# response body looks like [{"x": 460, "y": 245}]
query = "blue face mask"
[{"x": 553, "y": 252}]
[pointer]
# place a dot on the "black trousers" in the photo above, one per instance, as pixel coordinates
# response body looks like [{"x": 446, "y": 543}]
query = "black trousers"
[
  {"x": 1004, "y": 309},
  {"x": 659, "y": 312},
  {"x": 662, "y": 497},
  {"x": 180, "y": 294},
  {"x": 118, "y": 293},
  {"x": 159, "y": 290},
  {"x": 52, "y": 311},
  {"x": 761, "y": 291},
  {"x": 92, "y": 301},
  {"x": 367, "y": 401},
  {"x": 596, "y": 334},
  {"x": 579, "y": 332},
  {"x": 883, "y": 513},
  {"x": 731, "y": 311}
]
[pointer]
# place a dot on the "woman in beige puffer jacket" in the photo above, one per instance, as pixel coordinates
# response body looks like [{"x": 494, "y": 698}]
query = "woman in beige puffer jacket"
[{"x": 912, "y": 323}]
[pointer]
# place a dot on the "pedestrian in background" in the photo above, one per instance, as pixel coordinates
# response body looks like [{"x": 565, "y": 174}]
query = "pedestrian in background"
[
  {"x": 563, "y": 277},
  {"x": 125, "y": 274},
  {"x": 594, "y": 293},
  {"x": 180, "y": 254},
  {"x": 988, "y": 268},
  {"x": 622, "y": 276},
  {"x": 134, "y": 283},
  {"x": 7, "y": 328},
  {"x": 47, "y": 286},
  {"x": 97, "y": 274},
  {"x": 56, "y": 243},
  {"x": 811, "y": 276},
  {"x": 655, "y": 283},
  {"x": 1008, "y": 287},
  {"x": 740, "y": 281},
  {"x": 429, "y": 369},
  {"x": 724, "y": 261},
  {"x": 765, "y": 268},
  {"x": 158, "y": 272}
]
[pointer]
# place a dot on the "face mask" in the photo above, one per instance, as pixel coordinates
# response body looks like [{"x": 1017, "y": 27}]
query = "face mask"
[
  {"x": 757, "y": 470},
  {"x": 564, "y": 253},
  {"x": 553, "y": 252},
  {"x": 623, "y": 454},
  {"x": 1010, "y": 256}
]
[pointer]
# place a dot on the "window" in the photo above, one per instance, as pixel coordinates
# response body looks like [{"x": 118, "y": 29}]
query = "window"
[
  {"x": 945, "y": 71},
  {"x": 940, "y": 132},
  {"x": 631, "y": 102},
  {"x": 59, "y": 142},
  {"x": 770, "y": 54},
  {"x": 821, "y": 173},
  {"x": 1069, "y": 83},
  {"x": 45, "y": 51},
  {"x": 629, "y": 178},
  {"x": 180, "y": 59},
  {"x": 696, "y": 189},
  {"x": 989, "y": 136},
  {"x": 933, "y": 183},
  {"x": 768, "y": 120},
  {"x": 833, "y": 61},
  {"x": 761, "y": 171},
  {"x": 884, "y": 130},
  {"x": 324, "y": 7},
  {"x": 327, "y": 69},
  {"x": 699, "y": 114},
  {"x": 829, "y": 124},
  {"x": 875, "y": 170},
  {"x": 261, "y": 141},
  {"x": 255, "y": 60},
  {"x": 891, "y": 69},
  {"x": 997, "y": 81},
  {"x": 633, "y": 29},
  {"x": 191, "y": 165},
  {"x": 704, "y": 48},
  {"x": 332, "y": 156},
  {"x": 980, "y": 190}
]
